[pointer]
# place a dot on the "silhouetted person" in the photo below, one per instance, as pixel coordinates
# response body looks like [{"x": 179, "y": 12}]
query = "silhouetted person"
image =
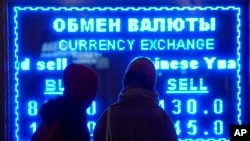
[
  {"x": 136, "y": 116},
  {"x": 80, "y": 88}
]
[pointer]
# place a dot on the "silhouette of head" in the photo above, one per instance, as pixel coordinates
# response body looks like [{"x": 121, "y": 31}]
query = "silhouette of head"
[
  {"x": 80, "y": 83},
  {"x": 140, "y": 73}
]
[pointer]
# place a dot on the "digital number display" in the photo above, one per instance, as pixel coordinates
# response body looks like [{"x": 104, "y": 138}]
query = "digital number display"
[{"x": 196, "y": 51}]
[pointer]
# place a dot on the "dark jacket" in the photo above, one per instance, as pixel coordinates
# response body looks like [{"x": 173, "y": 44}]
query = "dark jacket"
[
  {"x": 136, "y": 117},
  {"x": 71, "y": 115}
]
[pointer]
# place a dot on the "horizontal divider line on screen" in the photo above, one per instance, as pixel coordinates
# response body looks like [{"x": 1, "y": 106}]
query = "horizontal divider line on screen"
[
  {"x": 187, "y": 92},
  {"x": 53, "y": 93}
]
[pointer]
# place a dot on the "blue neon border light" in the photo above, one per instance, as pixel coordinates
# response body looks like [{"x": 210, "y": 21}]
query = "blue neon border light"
[{"x": 28, "y": 8}]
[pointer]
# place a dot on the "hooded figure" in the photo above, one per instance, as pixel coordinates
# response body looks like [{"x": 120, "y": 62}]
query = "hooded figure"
[
  {"x": 136, "y": 116},
  {"x": 80, "y": 88}
]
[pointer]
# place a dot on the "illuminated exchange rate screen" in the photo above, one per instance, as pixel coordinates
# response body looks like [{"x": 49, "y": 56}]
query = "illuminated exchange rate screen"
[{"x": 196, "y": 51}]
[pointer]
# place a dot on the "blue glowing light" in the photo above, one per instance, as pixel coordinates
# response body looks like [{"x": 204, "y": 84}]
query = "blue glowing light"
[{"x": 187, "y": 94}]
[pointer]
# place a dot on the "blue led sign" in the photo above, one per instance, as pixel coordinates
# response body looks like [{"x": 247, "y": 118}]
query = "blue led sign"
[{"x": 196, "y": 51}]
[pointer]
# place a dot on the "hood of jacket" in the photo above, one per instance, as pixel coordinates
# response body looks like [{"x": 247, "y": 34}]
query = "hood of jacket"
[
  {"x": 80, "y": 83},
  {"x": 140, "y": 73}
]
